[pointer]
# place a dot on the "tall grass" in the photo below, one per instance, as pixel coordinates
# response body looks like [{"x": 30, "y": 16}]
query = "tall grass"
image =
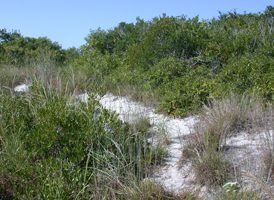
[
  {"x": 208, "y": 149},
  {"x": 47, "y": 72}
]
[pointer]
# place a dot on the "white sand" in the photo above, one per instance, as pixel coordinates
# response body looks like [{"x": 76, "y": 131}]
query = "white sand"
[
  {"x": 21, "y": 88},
  {"x": 170, "y": 175}
]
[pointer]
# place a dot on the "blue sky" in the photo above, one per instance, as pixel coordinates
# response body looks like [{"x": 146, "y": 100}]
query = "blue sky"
[{"x": 68, "y": 22}]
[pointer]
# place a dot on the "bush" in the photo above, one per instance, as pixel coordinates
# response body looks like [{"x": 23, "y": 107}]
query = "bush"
[
  {"x": 53, "y": 146},
  {"x": 247, "y": 73}
]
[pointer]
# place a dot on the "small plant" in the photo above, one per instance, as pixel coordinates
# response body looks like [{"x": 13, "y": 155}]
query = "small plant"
[
  {"x": 268, "y": 155},
  {"x": 141, "y": 124},
  {"x": 211, "y": 168},
  {"x": 154, "y": 153},
  {"x": 233, "y": 190}
]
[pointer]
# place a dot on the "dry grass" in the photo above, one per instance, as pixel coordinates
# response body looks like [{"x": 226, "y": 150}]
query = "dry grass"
[
  {"x": 261, "y": 183},
  {"x": 218, "y": 122},
  {"x": 267, "y": 149},
  {"x": 109, "y": 186}
]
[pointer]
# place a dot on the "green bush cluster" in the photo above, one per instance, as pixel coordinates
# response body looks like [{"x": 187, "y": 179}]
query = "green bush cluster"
[
  {"x": 53, "y": 146},
  {"x": 184, "y": 62},
  {"x": 16, "y": 49}
]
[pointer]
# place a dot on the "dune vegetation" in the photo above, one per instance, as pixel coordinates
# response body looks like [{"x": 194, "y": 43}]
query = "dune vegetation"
[{"x": 55, "y": 146}]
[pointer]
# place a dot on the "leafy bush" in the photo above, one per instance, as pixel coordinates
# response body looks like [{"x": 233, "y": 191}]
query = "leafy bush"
[
  {"x": 23, "y": 51},
  {"x": 247, "y": 73},
  {"x": 182, "y": 61}
]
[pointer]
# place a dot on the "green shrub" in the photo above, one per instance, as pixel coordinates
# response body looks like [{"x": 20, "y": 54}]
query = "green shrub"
[
  {"x": 185, "y": 94},
  {"x": 247, "y": 73},
  {"x": 53, "y": 146}
]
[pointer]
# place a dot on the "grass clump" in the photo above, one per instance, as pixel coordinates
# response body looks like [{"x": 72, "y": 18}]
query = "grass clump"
[
  {"x": 141, "y": 124},
  {"x": 219, "y": 121},
  {"x": 232, "y": 190},
  {"x": 212, "y": 169},
  {"x": 267, "y": 146}
]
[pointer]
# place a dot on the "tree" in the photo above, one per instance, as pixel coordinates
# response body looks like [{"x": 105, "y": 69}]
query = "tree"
[
  {"x": 6, "y": 36},
  {"x": 16, "y": 49},
  {"x": 269, "y": 11}
]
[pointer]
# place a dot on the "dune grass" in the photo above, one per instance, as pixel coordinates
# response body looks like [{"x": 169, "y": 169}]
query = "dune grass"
[{"x": 207, "y": 145}]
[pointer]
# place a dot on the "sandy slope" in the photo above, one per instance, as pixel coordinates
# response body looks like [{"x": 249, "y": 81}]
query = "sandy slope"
[
  {"x": 244, "y": 148},
  {"x": 170, "y": 175}
]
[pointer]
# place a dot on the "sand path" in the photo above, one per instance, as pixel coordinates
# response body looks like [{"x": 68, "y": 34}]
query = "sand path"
[{"x": 170, "y": 175}]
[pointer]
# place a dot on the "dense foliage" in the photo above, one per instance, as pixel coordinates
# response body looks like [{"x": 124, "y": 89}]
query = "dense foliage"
[
  {"x": 184, "y": 62},
  {"x": 19, "y": 50},
  {"x": 52, "y": 143}
]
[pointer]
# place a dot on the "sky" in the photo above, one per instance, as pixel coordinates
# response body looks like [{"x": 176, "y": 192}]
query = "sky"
[{"x": 68, "y": 22}]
